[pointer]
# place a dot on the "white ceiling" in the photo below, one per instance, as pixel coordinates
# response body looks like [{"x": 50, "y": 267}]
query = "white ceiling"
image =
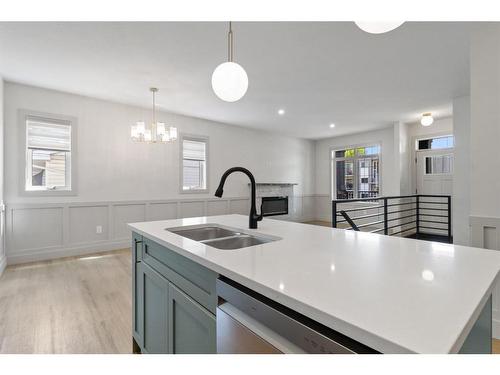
[{"x": 319, "y": 72}]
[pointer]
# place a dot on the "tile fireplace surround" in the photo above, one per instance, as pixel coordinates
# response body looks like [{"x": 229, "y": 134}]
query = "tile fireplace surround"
[{"x": 275, "y": 190}]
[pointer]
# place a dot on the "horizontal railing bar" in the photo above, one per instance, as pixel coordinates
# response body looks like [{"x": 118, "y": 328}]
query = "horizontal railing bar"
[
  {"x": 390, "y": 197},
  {"x": 359, "y": 209},
  {"x": 434, "y": 221},
  {"x": 397, "y": 212},
  {"x": 434, "y": 215},
  {"x": 400, "y": 218},
  {"x": 404, "y": 230},
  {"x": 434, "y": 209},
  {"x": 362, "y": 217},
  {"x": 401, "y": 204},
  {"x": 402, "y": 224},
  {"x": 434, "y": 196},
  {"x": 370, "y": 224},
  {"x": 433, "y": 228},
  {"x": 421, "y": 202},
  {"x": 376, "y": 230},
  {"x": 355, "y": 200}
]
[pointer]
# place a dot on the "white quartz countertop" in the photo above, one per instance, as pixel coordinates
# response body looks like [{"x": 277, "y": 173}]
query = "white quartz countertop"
[{"x": 393, "y": 294}]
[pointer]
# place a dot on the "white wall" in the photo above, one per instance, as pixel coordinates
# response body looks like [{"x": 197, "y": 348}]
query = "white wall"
[
  {"x": 402, "y": 163},
  {"x": 461, "y": 175},
  {"x": 485, "y": 121},
  {"x": 439, "y": 127},
  {"x": 112, "y": 167},
  {"x": 3, "y": 261},
  {"x": 484, "y": 138},
  {"x": 120, "y": 181}
]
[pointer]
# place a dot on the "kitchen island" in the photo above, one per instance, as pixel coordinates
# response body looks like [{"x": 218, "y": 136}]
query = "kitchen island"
[{"x": 390, "y": 294}]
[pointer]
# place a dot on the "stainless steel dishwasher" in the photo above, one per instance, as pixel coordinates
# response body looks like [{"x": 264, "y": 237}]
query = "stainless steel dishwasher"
[{"x": 249, "y": 323}]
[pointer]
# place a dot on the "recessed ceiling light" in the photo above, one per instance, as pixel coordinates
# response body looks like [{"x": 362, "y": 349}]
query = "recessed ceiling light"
[
  {"x": 427, "y": 275},
  {"x": 281, "y": 112},
  {"x": 332, "y": 125}
]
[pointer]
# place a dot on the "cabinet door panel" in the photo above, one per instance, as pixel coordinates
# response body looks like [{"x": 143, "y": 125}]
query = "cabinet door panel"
[
  {"x": 137, "y": 309},
  {"x": 137, "y": 303},
  {"x": 155, "y": 301},
  {"x": 192, "y": 327}
]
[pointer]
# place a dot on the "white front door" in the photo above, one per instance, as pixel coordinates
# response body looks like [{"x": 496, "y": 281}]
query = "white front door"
[
  {"x": 434, "y": 177},
  {"x": 435, "y": 172}
]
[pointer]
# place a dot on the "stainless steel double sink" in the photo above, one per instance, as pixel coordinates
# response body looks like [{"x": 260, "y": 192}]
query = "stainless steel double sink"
[{"x": 220, "y": 237}]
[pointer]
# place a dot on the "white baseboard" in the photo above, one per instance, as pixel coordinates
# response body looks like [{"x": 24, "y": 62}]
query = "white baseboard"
[{"x": 62, "y": 252}]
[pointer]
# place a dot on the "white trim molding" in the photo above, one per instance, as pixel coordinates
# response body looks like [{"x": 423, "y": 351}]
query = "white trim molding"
[
  {"x": 23, "y": 115},
  {"x": 485, "y": 233},
  {"x": 41, "y": 231}
]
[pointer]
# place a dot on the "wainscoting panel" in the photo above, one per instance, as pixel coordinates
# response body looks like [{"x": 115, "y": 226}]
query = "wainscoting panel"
[
  {"x": 309, "y": 208},
  {"x": 37, "y": 228},
  {"x": 239, "y": 206},
  {"x": 39, "y": 231},
  {"x": 83, "y": 223},
  {"x": 192, "y": 209},
  {"x": 323, "y": 207},
  {"x": 485, "y": 233},
  {"x": 162, "y": 211},
  {"x": 127, "y": 213},
  {"x": 217, "y": 207}
]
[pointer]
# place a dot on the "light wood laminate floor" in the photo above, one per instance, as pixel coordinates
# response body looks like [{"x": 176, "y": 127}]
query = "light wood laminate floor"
[{"x": 71, "y": 305}]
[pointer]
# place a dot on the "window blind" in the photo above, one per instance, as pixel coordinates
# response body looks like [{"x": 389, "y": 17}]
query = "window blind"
[
  {"x": 47, "y": 135},
  {"x": 193, "y": 150}
]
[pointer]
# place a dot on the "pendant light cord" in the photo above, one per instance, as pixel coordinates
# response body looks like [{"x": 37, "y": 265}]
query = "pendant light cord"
[{"x": 230, "y": 43}]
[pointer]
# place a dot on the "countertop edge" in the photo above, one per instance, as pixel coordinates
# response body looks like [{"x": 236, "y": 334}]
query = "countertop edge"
[{"x": 367, "y": 338}]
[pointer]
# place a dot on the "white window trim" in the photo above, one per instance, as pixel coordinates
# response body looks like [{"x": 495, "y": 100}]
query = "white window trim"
[
  {"x": 333, "y": 176},
  {"x": 196, "y": 138},
  {"x": 417, "y": 139},
  {"x": 23, "y": 115}
]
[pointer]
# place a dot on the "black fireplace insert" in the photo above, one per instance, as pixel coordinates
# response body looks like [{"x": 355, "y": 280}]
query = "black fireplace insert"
[{"x": 274, "y": 206}]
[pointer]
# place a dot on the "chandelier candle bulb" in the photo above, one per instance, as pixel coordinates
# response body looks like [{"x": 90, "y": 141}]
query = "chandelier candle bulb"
[{"x": 157, "y": 132}]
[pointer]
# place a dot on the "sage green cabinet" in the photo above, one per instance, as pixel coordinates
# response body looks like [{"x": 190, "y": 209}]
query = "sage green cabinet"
[
  {"x": 155, "y": 307},
  {"x": 191, "y": 327},
  {"x": 173, "y": 301},
  {"x": 137, "y": 291}
]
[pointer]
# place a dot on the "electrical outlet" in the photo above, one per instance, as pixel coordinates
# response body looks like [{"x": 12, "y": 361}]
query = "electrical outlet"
[{"x": 98, "y": 229}]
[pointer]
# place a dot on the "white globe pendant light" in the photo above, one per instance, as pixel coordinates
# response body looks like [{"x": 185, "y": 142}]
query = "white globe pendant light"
[
  {"x": 427, "y": 119},
  {"x": 378, "y": 27},
  {"x": 229, "y": 79}
]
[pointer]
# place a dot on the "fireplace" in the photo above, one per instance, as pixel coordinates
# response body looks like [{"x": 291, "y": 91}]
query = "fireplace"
[{"x": 274, "y": 206}]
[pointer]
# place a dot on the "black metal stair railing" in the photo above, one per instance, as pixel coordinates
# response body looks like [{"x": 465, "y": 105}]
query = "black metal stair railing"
[{"x": 421, "y": 216}]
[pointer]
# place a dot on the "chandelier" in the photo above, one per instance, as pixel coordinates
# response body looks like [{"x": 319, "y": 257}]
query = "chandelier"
[{"x": 157, "y": 132}]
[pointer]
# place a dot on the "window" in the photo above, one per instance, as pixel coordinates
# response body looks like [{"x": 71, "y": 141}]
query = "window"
[
  {"x": 435, "y": 143},
  {"x": 439, "y": 164},
  {"x": 355, "y": 172},
  {"x": 48, "y": 154},
  {"x": 194, "y": 164}
]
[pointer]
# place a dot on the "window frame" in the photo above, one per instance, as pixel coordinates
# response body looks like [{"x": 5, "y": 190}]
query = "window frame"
[
  {"x": 23, "y": 115},
  {"x": 430, "y": 137},
  {"x": 415, "y": 151},
  {"x": 195, "y": 138},
  {"x": 333, "y": 166}
]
